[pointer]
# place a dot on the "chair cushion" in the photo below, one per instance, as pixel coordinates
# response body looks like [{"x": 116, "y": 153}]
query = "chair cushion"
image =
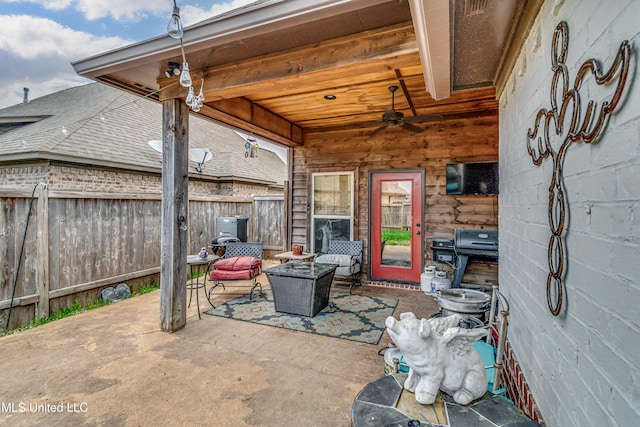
[
  {"x": 236, "y": 268},
  {"x": 237, "y": 263},
  {"x": 341, "y": 259},
  {"x": 348, "y": 270},
  {"x": 233, "y": 274}
]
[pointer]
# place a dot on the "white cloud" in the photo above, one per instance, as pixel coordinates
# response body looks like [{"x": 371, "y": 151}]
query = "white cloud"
[
  {"x": 28, "y": 37},
  {"x": 193, "y": 14},
  {"x": 119, "y": 10},
  {"x": 38, "y": 53},
  {"x": 47, "y": 4},
  {"x": 128, "y": 10},
  {"x": 12, "y": 93}
]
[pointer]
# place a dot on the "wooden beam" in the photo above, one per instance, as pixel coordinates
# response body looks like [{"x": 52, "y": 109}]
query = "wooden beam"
[
  {"x": 351, "y": 55},
  {"x": 431, "y": 20},
  {"x": 405, "y": 58},
  {"x": 239, "y": 117},
  {"x": 82, "y": 287},
  {"x": 19, "y": 301},
  {"x": 175, "y": 199},
  {"x": 515, "y": 41}
]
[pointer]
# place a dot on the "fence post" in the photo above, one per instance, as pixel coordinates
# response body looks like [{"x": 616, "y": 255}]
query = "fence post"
[{"x": 42, "y": 271}]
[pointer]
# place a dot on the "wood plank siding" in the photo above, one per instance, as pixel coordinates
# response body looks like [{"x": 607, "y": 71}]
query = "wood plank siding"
[{"x": 465, "y": 138}]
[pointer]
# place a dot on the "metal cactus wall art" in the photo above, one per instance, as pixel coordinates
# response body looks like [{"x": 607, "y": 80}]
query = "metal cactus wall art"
[{"x": 564, "y": 123}]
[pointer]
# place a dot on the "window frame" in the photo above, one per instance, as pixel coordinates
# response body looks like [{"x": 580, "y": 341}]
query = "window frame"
[{"x": 313, "y": 216}]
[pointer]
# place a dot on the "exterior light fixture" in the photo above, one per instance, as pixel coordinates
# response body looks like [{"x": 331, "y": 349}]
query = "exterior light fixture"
[
  {"x": 174, "y": 70},
  {"x": 185, "y": 76},
  {"x": 201, "y": 94},
  {"x": 174, "y": 28},
  {"x": 190, "y": 96}
]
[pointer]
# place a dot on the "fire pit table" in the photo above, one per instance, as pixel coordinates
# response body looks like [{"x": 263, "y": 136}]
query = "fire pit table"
[{"x": 301, "y": 287}]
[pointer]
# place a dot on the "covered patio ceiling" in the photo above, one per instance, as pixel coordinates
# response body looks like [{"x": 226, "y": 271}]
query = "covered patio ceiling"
[{"x": 268, "y": 66}]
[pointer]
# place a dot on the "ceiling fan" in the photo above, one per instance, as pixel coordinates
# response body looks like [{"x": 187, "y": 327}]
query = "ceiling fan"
[{"x": 397, "y": 118}]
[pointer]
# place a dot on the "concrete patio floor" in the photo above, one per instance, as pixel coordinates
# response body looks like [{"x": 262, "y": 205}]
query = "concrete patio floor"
[{"x": 113, "y": 366}]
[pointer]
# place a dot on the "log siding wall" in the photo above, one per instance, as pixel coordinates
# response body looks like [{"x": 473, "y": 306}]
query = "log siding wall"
[{"x": 449, "y": 141}]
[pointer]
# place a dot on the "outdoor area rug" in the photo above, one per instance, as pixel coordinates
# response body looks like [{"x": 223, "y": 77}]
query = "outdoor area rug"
[{"x": 350, "y": 317}]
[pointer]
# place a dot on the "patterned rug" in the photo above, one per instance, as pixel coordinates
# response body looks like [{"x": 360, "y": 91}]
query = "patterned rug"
[{"x": 349, "y": 317}]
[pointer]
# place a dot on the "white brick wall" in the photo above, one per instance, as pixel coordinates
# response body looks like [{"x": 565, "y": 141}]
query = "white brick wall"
[{"x": 583, "y": 366}]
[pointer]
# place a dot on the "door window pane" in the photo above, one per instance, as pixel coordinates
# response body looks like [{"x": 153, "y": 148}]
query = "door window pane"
[{"x": 395, "y": 209}]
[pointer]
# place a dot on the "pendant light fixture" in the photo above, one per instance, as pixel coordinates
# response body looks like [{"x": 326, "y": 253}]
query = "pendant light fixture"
[
  {"x": 201, "y": 94},
  {"x": 174, "y": 28},
  {"x": 185, "y": 76},
  {"x": 190, "y": 97}
]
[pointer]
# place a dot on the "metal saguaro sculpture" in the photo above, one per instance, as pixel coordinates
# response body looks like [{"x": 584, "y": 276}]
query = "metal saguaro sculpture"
[{"x": 586, "y": 126}]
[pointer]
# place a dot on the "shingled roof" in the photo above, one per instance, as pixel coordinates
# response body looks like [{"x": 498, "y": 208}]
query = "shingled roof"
[{"x": 107, "y": 127}]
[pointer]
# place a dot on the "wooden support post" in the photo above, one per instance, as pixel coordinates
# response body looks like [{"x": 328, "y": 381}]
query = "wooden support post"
[
  {"x": 175, "y": 199},
  {"x": 42, "y": 272}
]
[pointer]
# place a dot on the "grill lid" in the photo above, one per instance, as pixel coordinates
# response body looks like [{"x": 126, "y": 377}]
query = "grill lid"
[{"x": 476, "y": 239}]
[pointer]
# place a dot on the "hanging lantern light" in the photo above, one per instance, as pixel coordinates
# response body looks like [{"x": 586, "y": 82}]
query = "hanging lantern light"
[
  {"x": 174, "y": 28},
  {"x": 185, "y": 76}
]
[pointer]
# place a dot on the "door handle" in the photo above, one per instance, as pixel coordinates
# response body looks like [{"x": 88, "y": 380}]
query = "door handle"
[{"x": 418, "y": 232}]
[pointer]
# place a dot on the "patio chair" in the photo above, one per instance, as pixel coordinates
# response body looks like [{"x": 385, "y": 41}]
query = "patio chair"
[
  {"x": 347, "y": 254},
  {"x": 241, "y": 261}
]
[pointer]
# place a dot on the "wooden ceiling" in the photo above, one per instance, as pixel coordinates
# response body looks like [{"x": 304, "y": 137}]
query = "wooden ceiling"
[{"x": 272, "y": 79}]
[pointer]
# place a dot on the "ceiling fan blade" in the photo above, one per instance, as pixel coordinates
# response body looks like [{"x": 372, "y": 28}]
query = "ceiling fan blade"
[
  {"x": 412, "y": 128},
  {"x": 422, "y": 119},
  {"x": 380, "y": 129}
]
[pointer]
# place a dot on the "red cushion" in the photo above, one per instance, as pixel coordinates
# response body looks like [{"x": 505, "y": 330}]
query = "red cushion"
[
  {"x": 236, "y": 268},
  {"x": 233, "y": 274},
  {"x": 238, "y": 263}
]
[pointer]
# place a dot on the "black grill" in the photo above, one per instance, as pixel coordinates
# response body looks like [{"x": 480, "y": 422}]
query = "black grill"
[{"x": 477, "y": 244}]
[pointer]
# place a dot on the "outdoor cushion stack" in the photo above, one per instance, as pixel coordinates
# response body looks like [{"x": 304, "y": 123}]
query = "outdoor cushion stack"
[{"x": 236, "y": 268}]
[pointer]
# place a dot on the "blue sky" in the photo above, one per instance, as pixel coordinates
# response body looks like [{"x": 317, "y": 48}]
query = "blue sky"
[{"x": 40, "y": 38}]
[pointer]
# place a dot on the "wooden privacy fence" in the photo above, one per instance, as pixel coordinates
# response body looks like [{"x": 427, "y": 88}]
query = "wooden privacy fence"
[
  {"x": 77, "y": 242},
  {"x": 396, "y": 216}
]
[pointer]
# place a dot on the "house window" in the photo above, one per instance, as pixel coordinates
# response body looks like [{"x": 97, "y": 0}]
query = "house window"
[{"x": 332, "y": 208}]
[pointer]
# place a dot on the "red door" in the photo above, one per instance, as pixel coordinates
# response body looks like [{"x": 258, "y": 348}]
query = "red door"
[{"x": 396, "y": 212}]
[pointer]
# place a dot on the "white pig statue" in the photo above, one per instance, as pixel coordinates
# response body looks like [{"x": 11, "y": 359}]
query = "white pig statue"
[{"x": 440, "y": 355}]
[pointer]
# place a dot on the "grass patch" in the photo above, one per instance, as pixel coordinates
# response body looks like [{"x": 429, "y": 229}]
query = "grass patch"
[
  {"x": 76, "y": 308},
  {"x": 397, "y": 237},
  {"x": 70, "y": 310},
  {"x": 145, "y": 289}
]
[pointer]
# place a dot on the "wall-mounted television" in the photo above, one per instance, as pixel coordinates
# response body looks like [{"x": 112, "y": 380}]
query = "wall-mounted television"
[{"x": 472, "y": 178}]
